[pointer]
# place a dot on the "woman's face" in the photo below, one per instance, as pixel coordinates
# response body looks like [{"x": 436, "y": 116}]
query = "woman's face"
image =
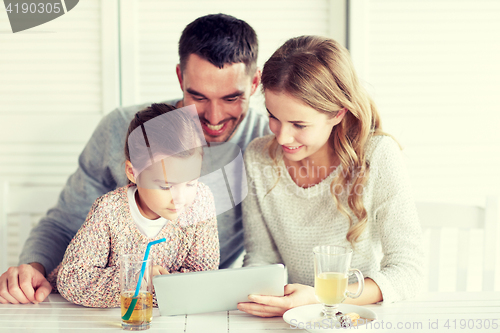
[
  {"x": 301, "y": 131},
  {"x": 168, "y": 187}
]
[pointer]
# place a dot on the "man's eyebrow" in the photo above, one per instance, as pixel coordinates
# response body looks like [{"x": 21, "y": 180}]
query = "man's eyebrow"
[
  {"x": 194, "y": 92},
  {"x": 291, "y": 121},
  {"x": 232, "y": 95},
  {"x": 235, "y": 94}
]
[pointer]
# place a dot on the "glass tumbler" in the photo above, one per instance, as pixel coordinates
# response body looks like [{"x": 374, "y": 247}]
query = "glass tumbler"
[{"x": 130, "y": 271}]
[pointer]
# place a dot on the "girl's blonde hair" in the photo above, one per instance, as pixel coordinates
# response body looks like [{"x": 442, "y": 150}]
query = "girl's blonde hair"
[{"x": 319, "y": 72}]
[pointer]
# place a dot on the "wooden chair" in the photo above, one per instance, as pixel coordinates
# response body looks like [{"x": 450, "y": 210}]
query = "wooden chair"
[
  {"x": 449, "y": 232},
  {"x": 22, "y": 204}
]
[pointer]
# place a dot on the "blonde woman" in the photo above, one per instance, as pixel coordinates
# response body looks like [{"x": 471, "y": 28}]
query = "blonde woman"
[{"x": 328, "y": 175}]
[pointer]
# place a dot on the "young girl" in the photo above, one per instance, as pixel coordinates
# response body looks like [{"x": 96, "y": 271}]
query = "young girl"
[
  {"x": 163, "y": 162},
  {"x": 328, "y": 176}
]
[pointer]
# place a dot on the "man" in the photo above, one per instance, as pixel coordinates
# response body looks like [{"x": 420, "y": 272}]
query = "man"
[{"x": 218, "y": 74}]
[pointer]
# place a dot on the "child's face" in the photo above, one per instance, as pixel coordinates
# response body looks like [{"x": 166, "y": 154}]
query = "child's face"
[{"x": 168, "y": 187}]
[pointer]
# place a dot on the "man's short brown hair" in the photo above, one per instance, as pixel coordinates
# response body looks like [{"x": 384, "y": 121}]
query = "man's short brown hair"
[{"x": 220, "y": 39}]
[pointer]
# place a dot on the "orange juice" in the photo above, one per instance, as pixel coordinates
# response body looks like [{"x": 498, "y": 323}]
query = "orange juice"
[
  {"x": 330, "y": 287},
  {"x": 143, "y": 310}
]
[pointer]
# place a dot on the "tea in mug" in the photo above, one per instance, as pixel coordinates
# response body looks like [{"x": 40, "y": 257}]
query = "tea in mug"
[{"x": 330, "y": 287}]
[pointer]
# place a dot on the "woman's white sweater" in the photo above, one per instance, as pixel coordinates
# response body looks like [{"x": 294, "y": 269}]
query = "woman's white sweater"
[{"x": 284, "y": 224}]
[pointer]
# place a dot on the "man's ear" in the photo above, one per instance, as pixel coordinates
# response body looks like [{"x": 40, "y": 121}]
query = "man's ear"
[
  {"x": 129, "y": 171},
  {"x": 179, "y": 75},
  {"x": 256, "y": 81}
]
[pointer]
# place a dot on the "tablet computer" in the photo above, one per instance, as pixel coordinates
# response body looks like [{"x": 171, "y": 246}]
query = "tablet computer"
[{"x": 218, "y": 290}]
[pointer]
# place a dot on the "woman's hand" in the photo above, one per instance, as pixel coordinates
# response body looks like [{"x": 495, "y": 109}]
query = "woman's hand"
[
  {"x": 273, "y": 306},
  {"x": 159, "y": 270}
]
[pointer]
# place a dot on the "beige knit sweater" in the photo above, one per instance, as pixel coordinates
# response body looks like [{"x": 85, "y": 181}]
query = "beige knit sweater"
[
  {"x": 284, "y": 225},
  {"x": 89, "y": 274}
]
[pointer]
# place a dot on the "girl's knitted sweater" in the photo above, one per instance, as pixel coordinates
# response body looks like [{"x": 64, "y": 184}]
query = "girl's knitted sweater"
[{"x": 90, "y": 272}]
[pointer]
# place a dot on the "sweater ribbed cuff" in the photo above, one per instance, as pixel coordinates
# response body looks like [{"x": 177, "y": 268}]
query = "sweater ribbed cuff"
[{"x": 389, "y": 295}]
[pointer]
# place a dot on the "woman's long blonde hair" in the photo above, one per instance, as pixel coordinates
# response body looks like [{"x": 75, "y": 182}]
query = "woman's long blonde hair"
[{"x": 319, "y": 72}]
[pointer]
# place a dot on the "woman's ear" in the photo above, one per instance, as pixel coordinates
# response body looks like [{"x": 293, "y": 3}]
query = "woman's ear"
[
  {"x": 340, "y": 115},
  {"x": 129, "y": 171}
]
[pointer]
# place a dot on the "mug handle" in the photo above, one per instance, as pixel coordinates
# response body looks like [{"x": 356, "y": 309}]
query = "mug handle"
[{"x": 361, "y": 284}]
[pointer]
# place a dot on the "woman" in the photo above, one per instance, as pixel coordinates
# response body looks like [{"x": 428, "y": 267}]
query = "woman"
[{"x": 328, "y": 175}]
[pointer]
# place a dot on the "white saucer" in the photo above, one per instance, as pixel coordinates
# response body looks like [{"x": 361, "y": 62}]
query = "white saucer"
[{"x": 299, "y": 317}]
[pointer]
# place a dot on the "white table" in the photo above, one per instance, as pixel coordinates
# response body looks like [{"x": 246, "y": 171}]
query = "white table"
[{"x": 419, "y": 315}]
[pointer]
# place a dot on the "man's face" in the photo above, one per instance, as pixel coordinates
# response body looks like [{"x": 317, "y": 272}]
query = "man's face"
[{"x": 221, "y": 96}]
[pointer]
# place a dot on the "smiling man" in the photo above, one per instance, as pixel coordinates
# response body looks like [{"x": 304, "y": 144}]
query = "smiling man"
[
  {"x": 218, "y": 74},
  {"x": 221, "y": 96}
]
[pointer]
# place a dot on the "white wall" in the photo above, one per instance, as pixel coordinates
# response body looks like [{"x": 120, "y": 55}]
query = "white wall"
[
  {"x": 433, "y": 68},
  {"x": 50, "y": 93}
]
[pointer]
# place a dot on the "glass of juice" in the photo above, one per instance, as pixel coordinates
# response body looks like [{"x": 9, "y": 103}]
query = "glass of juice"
[
  {"x": 332, "y": 267},
  {"x": 130, "y": 271}
]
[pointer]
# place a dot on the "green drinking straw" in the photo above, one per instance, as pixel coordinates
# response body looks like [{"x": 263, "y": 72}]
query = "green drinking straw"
[{"x": 130, "y": 309}]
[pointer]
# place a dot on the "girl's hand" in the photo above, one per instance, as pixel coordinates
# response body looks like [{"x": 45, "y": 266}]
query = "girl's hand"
[
  {"x": 159, "y": 270},
  {"x": 272, "y": 306}
]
